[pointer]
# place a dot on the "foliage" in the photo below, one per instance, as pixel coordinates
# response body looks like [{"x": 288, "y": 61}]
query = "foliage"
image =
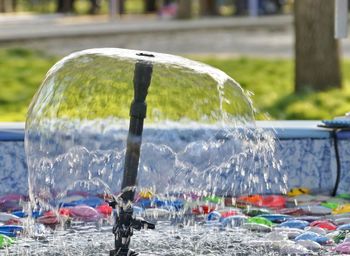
[
  {"x": 81, "y": 6},
  {"x": 21, "y": 73},
  {"x": 97, "y": 86},
  {"x": 271, "y": 80}
]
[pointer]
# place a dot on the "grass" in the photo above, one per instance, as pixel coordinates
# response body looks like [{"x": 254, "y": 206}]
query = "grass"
[
  {"x": 271, "y": 81},
  {"x": 21, "y": 73},
  {"x": 100, "y": 87},
  {"x": 81, "y": 6}
]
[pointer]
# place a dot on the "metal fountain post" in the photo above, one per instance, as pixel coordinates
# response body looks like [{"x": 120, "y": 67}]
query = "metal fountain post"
[{"x": 125, "y": 223}]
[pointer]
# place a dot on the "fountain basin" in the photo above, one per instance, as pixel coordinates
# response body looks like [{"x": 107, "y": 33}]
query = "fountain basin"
[
  {"x": 307, "y": 157},
  {"x": 200, "y": 152},
  {"x": 305, "y": 151}
]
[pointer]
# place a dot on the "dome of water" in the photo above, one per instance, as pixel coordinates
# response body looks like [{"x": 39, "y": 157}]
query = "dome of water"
[{"x": 197, "y": 132}]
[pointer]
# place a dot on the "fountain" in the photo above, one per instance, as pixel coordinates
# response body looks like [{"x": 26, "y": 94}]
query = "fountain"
[
  {"x": 125, "y": 222},
  {"x": 200, "y": 145}
]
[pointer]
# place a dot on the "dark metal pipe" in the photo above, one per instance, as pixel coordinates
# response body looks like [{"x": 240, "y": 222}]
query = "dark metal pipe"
[
  {"x": 125, "y": 223},
  {"x": 138, "y": 109}
]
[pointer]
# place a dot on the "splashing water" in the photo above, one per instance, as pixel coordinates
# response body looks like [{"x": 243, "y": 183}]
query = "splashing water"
[{"x": 199, "y": 137}]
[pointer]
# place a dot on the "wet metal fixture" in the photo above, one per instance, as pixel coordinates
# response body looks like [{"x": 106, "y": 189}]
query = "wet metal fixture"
[{"x": 125, "y": 223}]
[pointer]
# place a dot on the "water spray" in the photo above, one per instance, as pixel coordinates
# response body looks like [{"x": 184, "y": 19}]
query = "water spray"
[{"x": 125, "y": 223}]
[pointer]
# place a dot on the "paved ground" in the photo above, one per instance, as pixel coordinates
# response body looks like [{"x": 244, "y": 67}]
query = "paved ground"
[{"x": 267, "y": 36}]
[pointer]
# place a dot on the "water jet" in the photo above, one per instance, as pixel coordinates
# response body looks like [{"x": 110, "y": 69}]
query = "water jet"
[
  {"x": 125, "y": 222},
  {"x": 189, "y": 166}
]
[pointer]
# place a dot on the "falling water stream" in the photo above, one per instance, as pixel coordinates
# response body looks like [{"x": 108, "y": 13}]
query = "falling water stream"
[{"x": 199, "y": 139}]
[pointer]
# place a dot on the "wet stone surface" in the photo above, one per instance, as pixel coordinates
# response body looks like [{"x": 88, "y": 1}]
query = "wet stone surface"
[
  {"x": 165, "y": 240},
  {"x": 296, "y": 224}
]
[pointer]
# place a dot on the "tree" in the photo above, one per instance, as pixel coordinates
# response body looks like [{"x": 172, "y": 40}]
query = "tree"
[
  {"x": 184, "y": 9},
  {"x": 208, "y": 8},
  {"x": 150, "y": 6},
  {"x": 7, "y": 5},
  {"x": 65, "y": 6},
  {"x": 241, "y": 7},
  {"x": 94, "y": 6},
  {"x": 121, "y": 6},
  {"x": 2, "y": 6},
  {"x": 317, "y": 60}
]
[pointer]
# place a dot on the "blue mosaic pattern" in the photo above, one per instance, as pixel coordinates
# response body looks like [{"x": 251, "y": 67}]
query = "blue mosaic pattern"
[
  {"x": 344, "y": 153},
  {"x": 13, "y": 168},
  {"x": 307, "y": 162}
]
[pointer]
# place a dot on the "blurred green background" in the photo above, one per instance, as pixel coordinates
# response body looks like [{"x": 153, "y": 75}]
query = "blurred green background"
[
  {"x": 23, "y": 70},
  {"x": 270, "y": 79}
]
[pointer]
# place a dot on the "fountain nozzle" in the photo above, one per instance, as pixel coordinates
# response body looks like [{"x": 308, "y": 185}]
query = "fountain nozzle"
[{"x": 125, "y": 223}]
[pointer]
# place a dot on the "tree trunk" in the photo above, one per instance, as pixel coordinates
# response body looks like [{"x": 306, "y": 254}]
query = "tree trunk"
[
  {"x": 65, "y": 6},
  {"x": 94, "y": 7},
  {"x": 150, "y": 6},
  {"x": 14, "y": 5},
  {"x": 208, "y": 8},
  {"x": 6, "y": 6},
  {"x": 317, "y": 60},
  {"x": 2, "y": 5},
  {"x": 241, "y": 7},
  {"x": 184, "y": 9},
  {"x": 121, "y": 7}
]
